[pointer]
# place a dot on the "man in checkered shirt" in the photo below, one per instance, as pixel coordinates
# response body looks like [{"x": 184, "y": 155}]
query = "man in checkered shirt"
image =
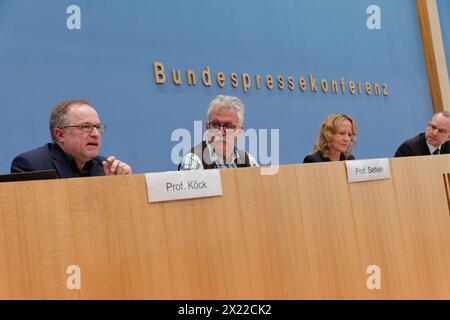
[{"x": 224, "y": 126}]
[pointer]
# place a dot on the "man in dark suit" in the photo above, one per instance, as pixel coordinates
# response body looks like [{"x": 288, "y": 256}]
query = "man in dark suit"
[
  {"x": 76, "y": 130},
  {"x": 435, "y": 140}
]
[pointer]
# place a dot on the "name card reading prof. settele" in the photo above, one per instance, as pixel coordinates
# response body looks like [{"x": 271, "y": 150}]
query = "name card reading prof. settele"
[
  {"x": 366, "y": 170},
  {"x": 177, "y": 185}
]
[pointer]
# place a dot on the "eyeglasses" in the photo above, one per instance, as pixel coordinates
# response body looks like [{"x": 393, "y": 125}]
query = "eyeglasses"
[
  {"x": 88, "y": 127},
  {"x": 228, "y": 127},
  {"x": 433, "y": 127}
]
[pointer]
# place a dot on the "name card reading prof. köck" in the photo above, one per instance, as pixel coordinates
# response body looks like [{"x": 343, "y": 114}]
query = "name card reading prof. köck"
[
  {"x": 366, "y": 170},
  {"x": 177, "y": 185}
]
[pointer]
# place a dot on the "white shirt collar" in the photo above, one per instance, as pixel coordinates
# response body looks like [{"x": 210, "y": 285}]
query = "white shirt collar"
[{"x": 432, "y": 148}]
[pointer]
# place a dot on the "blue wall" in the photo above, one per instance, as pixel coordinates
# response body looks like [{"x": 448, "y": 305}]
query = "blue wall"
[{"x": 109, "y": 61}]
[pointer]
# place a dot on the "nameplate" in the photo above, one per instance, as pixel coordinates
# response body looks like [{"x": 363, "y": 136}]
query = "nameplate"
[
  {"x": 177, "y": 185},
  {"x": 366, "y": 170}
]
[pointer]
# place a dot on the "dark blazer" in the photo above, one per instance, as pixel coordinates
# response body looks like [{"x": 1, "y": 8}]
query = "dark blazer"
[
  {"x": 417, "y": 146},
  {"x": 318, "y": 157},
  {"x": 51, "y": 157}
]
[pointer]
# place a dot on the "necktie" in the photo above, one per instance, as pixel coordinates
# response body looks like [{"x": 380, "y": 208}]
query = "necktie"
[{"x": 436, "y": 152}]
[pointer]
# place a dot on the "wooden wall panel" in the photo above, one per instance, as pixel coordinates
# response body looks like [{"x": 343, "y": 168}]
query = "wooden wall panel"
[{"x": 434, "y": 53}]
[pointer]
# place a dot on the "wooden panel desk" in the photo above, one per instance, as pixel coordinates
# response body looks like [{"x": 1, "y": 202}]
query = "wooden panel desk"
[{"x": 304, "y": 233}]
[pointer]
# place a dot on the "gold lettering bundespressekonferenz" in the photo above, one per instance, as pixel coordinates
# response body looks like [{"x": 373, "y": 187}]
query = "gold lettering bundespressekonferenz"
[{"x": 248, "y": 81}]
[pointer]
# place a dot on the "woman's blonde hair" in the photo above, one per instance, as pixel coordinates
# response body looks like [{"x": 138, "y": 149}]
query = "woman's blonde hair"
[{"x": 329, "y": 127}]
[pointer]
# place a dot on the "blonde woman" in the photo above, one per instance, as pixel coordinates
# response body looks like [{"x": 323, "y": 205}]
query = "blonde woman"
[{"x": 336, "y": 139}]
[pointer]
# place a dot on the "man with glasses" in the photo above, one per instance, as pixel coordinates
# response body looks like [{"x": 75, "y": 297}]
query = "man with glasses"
[
  {"x": 433, "y": 142},
  {"x": 76, "y": 130},
  {"x": 224, "y": 127}
]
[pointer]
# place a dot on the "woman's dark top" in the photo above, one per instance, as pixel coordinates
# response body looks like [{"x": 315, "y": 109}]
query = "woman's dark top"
[{"x": 318, "y": 157}]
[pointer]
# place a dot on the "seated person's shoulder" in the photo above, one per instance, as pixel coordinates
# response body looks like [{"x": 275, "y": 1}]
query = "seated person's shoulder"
[
  {"x": 445, "y": 148},
  {"x": 252, "y": 160},
  {"x": 29, "y": 160},
  {"x": 315, "y": 157},
  {"x": 308, "y": 159},
  {"x": 408, "y": 148}
]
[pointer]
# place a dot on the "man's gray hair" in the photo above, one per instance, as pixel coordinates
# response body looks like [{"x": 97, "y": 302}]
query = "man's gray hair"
[
  {"x": 227, "y": 102},
  {"x": 58, "y": 117}
]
